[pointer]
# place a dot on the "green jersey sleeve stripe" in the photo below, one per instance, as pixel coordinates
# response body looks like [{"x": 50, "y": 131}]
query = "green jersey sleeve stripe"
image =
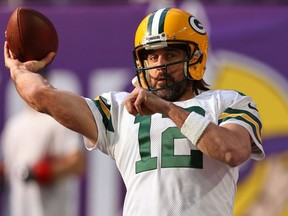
[
  {"x": 104, "y": 109},
  {"x": 230, "y": 111},
  {"x": 254, "y": 124}
]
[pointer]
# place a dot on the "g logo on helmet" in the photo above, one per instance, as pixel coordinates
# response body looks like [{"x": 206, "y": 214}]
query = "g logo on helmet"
[{"x": 196, "y": 25}]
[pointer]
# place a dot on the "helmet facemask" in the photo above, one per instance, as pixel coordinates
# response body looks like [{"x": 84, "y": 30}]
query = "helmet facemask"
[{"x": 142, "y": 68}]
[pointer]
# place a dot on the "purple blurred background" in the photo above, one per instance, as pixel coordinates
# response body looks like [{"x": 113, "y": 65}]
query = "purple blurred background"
[{"x": 95, "y": 43}]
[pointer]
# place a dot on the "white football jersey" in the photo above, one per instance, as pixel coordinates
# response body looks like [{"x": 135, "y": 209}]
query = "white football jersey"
[{"x": 162, "y": 174}]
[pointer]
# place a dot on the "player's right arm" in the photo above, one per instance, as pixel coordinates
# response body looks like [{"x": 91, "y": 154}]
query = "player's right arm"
[{"x": 69, "y": 109}]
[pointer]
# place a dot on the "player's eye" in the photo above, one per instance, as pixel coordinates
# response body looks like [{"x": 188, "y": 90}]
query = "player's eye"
[
  {"x": 152, "y": 58},
  {"x": 170, "y": 55}
]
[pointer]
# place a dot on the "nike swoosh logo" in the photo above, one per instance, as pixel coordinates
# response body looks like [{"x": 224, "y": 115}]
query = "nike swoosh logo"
[{"x": 251, "y": 107}]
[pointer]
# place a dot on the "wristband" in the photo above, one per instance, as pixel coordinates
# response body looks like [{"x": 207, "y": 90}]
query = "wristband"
[{"x": 194, "y": 126}]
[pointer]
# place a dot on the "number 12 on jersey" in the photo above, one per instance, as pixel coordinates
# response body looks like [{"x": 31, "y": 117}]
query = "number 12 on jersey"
[{"x": 168, "y": 158}]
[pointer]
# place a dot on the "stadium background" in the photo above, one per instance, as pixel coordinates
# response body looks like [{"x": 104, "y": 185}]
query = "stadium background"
[{"x": 248, "y": 53}]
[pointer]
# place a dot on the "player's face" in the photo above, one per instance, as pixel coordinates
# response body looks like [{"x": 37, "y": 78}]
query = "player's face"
[{"x": 163, "y": 77}]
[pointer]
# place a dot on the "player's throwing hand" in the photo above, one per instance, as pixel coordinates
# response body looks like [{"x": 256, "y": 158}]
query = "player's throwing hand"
[
  {"x": 33, "y": 65},
  {"x": 144, "y": 102}
]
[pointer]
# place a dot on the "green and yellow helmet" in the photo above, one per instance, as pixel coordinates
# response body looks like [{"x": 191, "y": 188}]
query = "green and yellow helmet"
[{"x": 170, "y": 27}]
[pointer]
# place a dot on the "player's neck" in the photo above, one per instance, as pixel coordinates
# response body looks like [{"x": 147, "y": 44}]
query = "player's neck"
[{"x": 188, "y": 93}]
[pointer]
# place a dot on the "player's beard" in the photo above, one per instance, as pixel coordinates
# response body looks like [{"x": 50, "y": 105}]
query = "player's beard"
[{"x": 173, "y": 92}]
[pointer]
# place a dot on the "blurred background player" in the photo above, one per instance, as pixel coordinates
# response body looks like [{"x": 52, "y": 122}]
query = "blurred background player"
[{"x": 43, "y": 163}]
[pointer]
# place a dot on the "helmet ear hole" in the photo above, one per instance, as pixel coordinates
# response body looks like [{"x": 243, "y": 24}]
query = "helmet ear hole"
[
  {"x": 197, "y": 70},
  {"x": 200, "y": 58}
]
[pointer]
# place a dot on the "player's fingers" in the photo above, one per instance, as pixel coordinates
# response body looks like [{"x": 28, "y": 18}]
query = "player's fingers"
[
  {"x": 129, "y": 103},
  {"x": 140, "y": 100},
  {"x": 48, "y": 59},
  {"x": 6, "y": 50},
  {"x": 12, "y": 55},
  {"x": 7, "y": 55},
  {"x": 130, "y": 108}
]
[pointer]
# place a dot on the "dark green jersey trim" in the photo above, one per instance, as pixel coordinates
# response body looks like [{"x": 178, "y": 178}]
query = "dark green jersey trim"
[
  {"x": 106, "y": 118},
  {"x": 248, "y": 122},
  {"x": 149, "y": 27},
  {"x": 239, "y": 117},
  {"x": 162, "y": 21},
  {"x": 237, "y": 111}
]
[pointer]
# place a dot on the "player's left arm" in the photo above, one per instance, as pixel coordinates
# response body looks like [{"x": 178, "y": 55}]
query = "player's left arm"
[{"x": 230, "y": 143}]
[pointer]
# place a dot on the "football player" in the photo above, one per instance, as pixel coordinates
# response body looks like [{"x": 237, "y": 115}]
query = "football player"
[{"x": 177, "y": 144}]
